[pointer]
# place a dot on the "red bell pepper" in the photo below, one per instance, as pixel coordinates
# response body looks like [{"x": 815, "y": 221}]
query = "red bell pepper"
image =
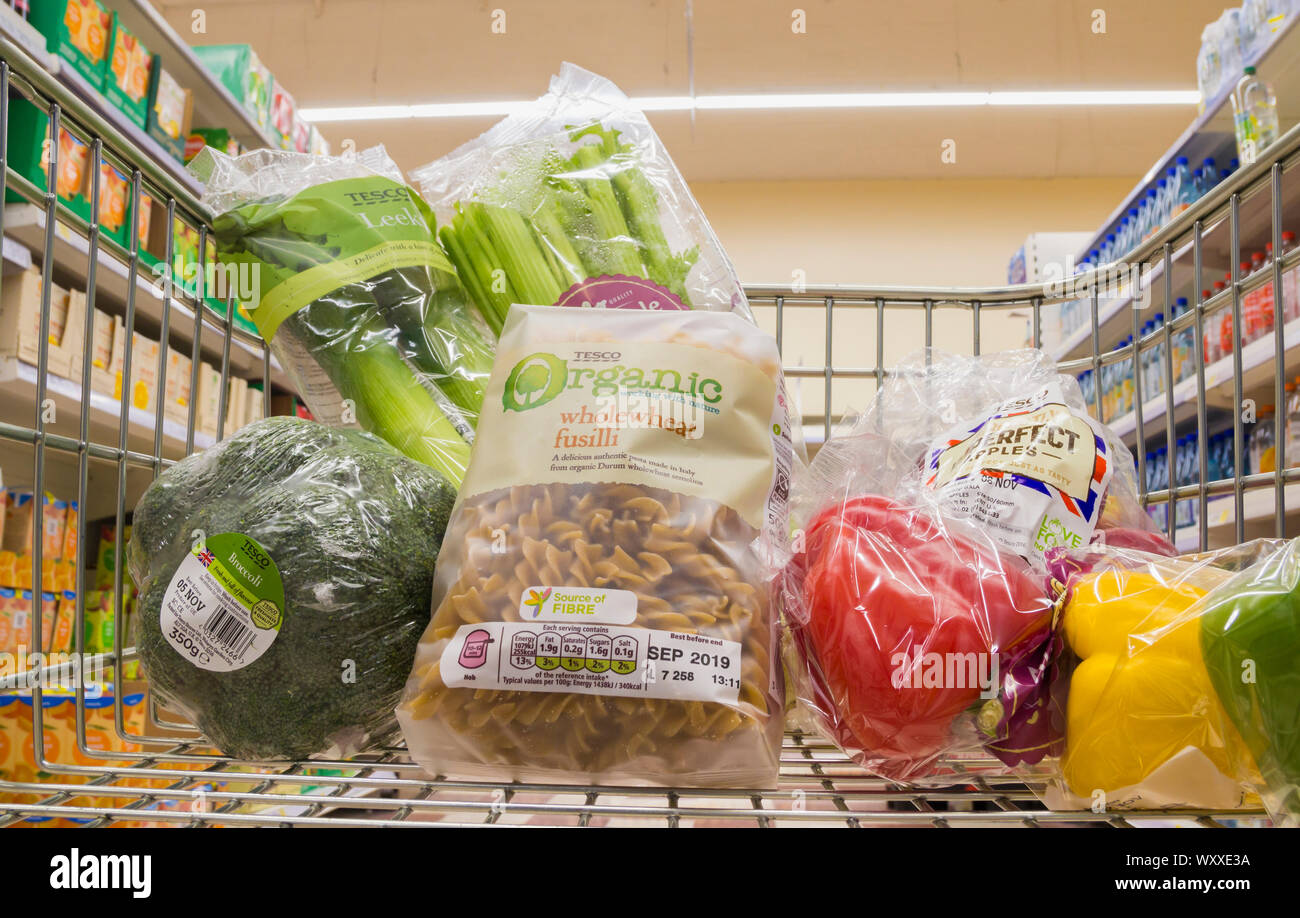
[{"x": 884, "y": 588}]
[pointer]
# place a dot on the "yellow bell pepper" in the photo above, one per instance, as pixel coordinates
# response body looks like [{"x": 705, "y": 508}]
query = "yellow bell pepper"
[{"x": 1141, "y": 695}]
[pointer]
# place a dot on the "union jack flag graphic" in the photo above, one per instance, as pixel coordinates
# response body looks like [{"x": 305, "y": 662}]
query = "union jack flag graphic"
[{"x": 206, "y": 557}]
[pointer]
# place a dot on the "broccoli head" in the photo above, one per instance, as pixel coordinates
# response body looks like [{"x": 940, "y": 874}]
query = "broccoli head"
[{"x": 353, "y": 528}]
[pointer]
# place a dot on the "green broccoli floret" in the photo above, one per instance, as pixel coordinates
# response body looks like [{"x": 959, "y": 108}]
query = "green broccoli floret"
[{"x": 354, "y": 528}]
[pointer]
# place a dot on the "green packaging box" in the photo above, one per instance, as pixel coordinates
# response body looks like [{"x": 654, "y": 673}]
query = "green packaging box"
[
  {"x": 29, "y": 131},
  {"x": 77, "y": 31},
  {"x": 170, "y": 108},
  {"x": 126, "y": 80},
  {"x": 241, "y": 71}
]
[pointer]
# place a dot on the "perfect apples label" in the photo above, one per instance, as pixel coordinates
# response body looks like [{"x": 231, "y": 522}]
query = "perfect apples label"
[
  {"x": 1033, "y": 471},
  {"x": 225, "y": 603}
]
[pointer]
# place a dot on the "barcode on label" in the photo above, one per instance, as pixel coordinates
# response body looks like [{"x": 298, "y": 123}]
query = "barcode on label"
[
  {"x": 779, "y": 498},
  {"x": 228, "y": 631}
]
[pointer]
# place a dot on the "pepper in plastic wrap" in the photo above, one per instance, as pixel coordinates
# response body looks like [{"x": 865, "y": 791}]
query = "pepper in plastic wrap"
[
  {"x": 1250, "y": 639},
  {"x": 907, "y": 623}
]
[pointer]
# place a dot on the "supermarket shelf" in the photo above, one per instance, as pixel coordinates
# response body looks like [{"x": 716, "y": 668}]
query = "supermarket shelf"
[
  {"x": 1255, "y": 228},
  {"x": 818, "y": 786},
  {"x": 18, "y": 387},
  {"x": 214, "y": 106},
  {"x": 17, "y": 257},
  {"x": 1112, "y": 314},
  {"x": 26, "y": 224},
  {"x": 1257, "y": 506},
  {"x": 1259, "y": 369},
  {"x": 1211, "y": 132}
]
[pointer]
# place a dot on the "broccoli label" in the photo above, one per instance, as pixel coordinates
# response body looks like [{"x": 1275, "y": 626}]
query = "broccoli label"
[{"x": 225, "y": 603}]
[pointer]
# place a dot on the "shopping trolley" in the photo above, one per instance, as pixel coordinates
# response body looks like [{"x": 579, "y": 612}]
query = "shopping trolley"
[{"x": 155, "y": 769}]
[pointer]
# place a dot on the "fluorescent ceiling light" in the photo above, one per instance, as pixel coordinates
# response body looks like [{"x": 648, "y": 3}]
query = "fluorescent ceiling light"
[{"x": 780, "y": 101}]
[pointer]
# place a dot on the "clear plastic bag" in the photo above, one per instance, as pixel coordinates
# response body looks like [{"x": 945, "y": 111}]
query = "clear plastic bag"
[
  {"x": 1178, "y": 677},
  {"x": 916, "y": 595},
  {"x": 601, "y": 608},
  {"x": 574, "y": 201},
  {"x": 284, "y": 581},
  {"x": 336, "y": 261}
]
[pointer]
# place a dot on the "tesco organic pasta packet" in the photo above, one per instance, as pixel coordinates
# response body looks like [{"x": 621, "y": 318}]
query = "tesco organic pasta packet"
[
  {"x": 915, "y": 597},
  {"x": 334, "y": 259},
  {"x": 1177, "y": 677},
  {"x": 573, "y": 201},
  {"x": 601, "y": 606}
]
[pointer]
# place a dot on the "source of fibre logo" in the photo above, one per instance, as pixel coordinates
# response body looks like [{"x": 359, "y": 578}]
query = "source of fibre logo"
[
  {"x": 536, "y": 599},
  {"x": 534, "y": 381}
]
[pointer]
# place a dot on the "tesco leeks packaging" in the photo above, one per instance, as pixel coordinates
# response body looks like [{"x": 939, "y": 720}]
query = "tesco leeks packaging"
[
  {"x": 573, "y": 201},
  {"x": 338, "y": 267}
]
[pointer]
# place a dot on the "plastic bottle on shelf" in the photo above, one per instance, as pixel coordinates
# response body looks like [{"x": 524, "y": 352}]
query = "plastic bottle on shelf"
[
  {"x": 1209, "y": 340},
  {"x": 1230, "y": 52},
  {"x": 1209, "y": 63},
  {"x": 1292, "y": 424},
  {"x": 1254, "y": 116},
  {"x": 1185, "y": 343},
  {"x": 1158, "y": 356},
  {"x": 1262, "y": 454},
  {"x": 1185, "y": 193},
  {"x": 1266, "y": 298},
  {"x": 1160, "y": 482},
  {"x": 1252, "y": 23},
  {"x": 1185, "y": 476},
  {"x": 1209, "y": 175},
  {"x": 1290, "y": 300}
]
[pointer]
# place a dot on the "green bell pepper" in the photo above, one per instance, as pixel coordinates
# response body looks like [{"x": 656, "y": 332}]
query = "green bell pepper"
[{"x": 1250, "y": 641}]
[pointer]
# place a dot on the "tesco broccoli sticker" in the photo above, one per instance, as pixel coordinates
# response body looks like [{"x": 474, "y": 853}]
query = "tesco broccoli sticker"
[{"x": 225, "y": 603}]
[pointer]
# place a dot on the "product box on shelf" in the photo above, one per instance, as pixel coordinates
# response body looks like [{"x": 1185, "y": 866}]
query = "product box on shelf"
[
  {"x": 241, "y": 71},
  {"x": 255, "y": 410},
  {"x": 170, "y": 109},
  {"x": 144, "y": 221},
  {"x": 319, "y": 146},
  {"x": 217, "y": 138},
  {"x": 301, "y": 134},
  {"x": 114, "y": 202},
  {"x": 18, "y": 523},
  {"x": 108, "y": 331},
  {"x": 178, "y": 386},
  {"x": 126, "y": 81},
  {"x": 143, "y": 388},
  {"x": 28, "y": 152},
  {"x": 69, "y": 552},
  {"x": 20, "y": 322},
  {"x": 208, "y": 406},
  {"x": 289, "y": 406},
  {"x": 283, "y": 113},
  {"x": 236, "y": 405},
  {"x": 78, "y": 32}
]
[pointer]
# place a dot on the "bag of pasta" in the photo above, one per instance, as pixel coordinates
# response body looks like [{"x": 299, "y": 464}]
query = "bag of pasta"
[{"x": 601, "y": 603}]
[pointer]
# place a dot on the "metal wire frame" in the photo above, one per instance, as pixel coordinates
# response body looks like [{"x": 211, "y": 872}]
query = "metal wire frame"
[{"x": 818, "y": 785}]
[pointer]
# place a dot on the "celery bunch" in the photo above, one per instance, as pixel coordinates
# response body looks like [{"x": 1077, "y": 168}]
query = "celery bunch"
[{"x": 566, "y": 219}]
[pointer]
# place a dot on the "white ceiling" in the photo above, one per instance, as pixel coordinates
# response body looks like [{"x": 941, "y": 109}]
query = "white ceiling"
[{"x": 349, "y": 52}]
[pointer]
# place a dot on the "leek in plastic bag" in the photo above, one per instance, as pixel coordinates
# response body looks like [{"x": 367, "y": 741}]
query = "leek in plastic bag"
[{"x": 360, "y": 306}]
